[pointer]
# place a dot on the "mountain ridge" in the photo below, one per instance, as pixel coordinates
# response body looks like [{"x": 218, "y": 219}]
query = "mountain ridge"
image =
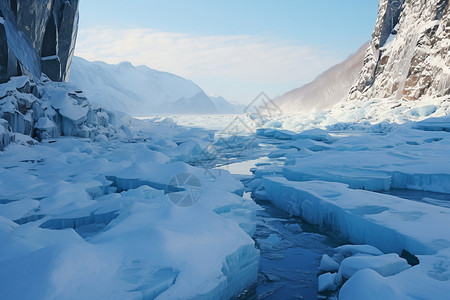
[
  {"x": 326, "y": 90},
  {"x": 139, "y": 90}
]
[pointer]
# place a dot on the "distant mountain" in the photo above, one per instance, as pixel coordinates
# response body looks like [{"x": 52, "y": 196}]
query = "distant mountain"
[
  {"x": 329, "y": 88},
  {"x": 225, "y": 107},
  {"x": 141, "y": 91}
]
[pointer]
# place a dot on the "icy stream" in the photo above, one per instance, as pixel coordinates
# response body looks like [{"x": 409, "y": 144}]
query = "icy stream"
[
  {"x": 290, "y": 255},
  {"x": 290, "y": 248}
]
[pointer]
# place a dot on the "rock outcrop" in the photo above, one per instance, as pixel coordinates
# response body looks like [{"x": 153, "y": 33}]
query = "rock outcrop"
[
  {"x": 409, "y": 55},
  {"x": 37, "y": 36}
]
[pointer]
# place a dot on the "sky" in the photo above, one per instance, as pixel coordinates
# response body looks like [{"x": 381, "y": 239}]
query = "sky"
[{"x": 233, "y": 48}]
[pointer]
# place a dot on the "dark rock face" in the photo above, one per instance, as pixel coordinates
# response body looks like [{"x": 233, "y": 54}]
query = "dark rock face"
[
  {"x": 408, "y": 57},
  {"x": 37, "y": 36}
]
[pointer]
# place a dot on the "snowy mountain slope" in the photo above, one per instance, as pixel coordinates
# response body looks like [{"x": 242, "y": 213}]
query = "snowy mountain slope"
[
  {"x": 408, "y": 57},
  {"x": 139, "y": 90},
  {"x": 326, "y": 90}
]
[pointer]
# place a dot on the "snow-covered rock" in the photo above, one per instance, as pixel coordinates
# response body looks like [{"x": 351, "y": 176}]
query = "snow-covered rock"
[{"x": 141, "y": 91}]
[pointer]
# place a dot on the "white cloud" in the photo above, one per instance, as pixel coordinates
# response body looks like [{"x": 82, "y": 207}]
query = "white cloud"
[{"x": 261, "y": 63}]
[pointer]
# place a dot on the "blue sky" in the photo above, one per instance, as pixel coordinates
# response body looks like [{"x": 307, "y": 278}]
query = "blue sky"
[{"x": 230, "y": 48}]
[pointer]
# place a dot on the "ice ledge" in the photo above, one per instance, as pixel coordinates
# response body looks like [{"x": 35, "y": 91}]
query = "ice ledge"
[{"x": 386, "y": 222}]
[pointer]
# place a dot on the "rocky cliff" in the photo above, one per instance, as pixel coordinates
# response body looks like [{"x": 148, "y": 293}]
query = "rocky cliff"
[
  {"x": 37, "y": 36},
  {"x": 409, "y": 55}
]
